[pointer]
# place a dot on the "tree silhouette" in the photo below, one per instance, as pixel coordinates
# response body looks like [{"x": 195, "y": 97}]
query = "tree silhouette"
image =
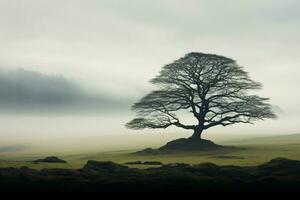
[{"x": 213, "y": 88}]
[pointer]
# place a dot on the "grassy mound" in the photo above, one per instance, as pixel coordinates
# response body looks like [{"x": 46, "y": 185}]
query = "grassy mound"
[
  {"x": 184, "y": 144},
  {"x": 188, "y": 144}
]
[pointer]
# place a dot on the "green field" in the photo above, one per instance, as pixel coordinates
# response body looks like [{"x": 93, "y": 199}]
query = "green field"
[{"x": 250, "y": 152}]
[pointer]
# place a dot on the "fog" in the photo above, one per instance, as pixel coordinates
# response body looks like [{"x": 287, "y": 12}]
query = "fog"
[
  {"x": 30, "y": 92},
  {"x": 72, "y": 69}
]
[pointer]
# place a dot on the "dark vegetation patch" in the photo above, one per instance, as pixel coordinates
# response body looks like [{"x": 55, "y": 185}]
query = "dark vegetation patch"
[
  {"x": 229, "y": 157},
  {"x": 277, "y": 175},
  {"x": 50, "y": 159},
  {"x": 144, "y": 163},
  {"x": 134, "y": 163},
  {"x": 152, "y": 163}
]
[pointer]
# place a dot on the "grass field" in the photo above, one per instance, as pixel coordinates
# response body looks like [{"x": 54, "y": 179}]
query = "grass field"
[{"x": 250, "y": 152}]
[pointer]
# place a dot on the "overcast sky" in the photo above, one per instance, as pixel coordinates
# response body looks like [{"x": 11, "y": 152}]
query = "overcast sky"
[{"x": 117, "y": 46}]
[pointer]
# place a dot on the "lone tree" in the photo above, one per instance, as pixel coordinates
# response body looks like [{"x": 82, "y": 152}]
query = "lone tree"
[{"x": 213, "y": 88}]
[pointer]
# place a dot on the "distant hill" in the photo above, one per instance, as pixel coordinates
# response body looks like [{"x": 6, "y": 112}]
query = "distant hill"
[
  {"x": 12, "y": 148},
  {"x": 33, "y": 92},
  {"x": 280, "y": 139}
]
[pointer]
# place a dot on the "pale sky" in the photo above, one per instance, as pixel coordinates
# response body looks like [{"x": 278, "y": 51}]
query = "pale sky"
[{"x": 114, "y": 46}]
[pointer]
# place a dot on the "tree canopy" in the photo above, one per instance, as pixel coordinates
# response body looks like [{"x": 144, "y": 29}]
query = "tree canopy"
[{"x": 213, "y": 88}]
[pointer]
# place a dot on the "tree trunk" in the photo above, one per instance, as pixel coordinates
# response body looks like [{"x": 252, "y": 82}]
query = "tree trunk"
[{"x": 197, "y": 134}]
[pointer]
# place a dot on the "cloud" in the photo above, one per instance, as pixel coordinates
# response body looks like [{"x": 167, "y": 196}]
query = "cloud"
[{"x": 29, "y": 91}]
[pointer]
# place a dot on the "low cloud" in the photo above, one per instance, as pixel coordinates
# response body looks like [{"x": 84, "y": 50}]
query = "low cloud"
[{"x": 23, "y": 91}]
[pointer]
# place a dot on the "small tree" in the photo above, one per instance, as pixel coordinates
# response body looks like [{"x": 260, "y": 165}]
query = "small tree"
[{"x": 213, "y": 88}]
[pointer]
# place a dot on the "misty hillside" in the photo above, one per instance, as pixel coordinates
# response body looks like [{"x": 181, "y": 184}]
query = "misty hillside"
[
  {"x": 12, "y": 148},
  {"x": 23, "y": 90},
  {"x": 28, "y": 87},
  {"x": 280, "y": 139}
]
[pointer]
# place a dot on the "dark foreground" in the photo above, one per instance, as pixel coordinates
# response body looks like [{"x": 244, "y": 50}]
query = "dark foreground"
[{"x": 278, "y": 175}]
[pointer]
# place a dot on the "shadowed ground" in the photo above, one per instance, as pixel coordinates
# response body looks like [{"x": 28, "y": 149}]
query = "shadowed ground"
[{"x": 277, "y": 175}]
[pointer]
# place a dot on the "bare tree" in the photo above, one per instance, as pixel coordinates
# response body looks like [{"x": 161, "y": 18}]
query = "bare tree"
[{"x": 213, "y": 88}]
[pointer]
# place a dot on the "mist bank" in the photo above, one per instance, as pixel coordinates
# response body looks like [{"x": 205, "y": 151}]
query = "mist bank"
[
  {"x": 69, "y": 134},
  {"x": 30, "y": 92}
]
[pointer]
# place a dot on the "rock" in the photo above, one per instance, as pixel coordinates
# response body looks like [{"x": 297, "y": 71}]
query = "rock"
[
  {"x": 134, "y": 163},
  {"x": 144, "y": 163},
  {"x": 208, "y": 169},
  {"x": 277, "y": 175},
  {"x": 229, "y": 157},
  {"x": 152, "y": 163},
  {"x": 15, "y": 172},
  {"x": 176, "y": 165},
  {"x": 282, "y": 162},
  {"x": 282, "y": 166},
  {"x": 59, "y": 172},
  {"x": 28, "y": 172},
  {"x": 50, "y": 159},
  {"x": 106, "y": 166}
]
